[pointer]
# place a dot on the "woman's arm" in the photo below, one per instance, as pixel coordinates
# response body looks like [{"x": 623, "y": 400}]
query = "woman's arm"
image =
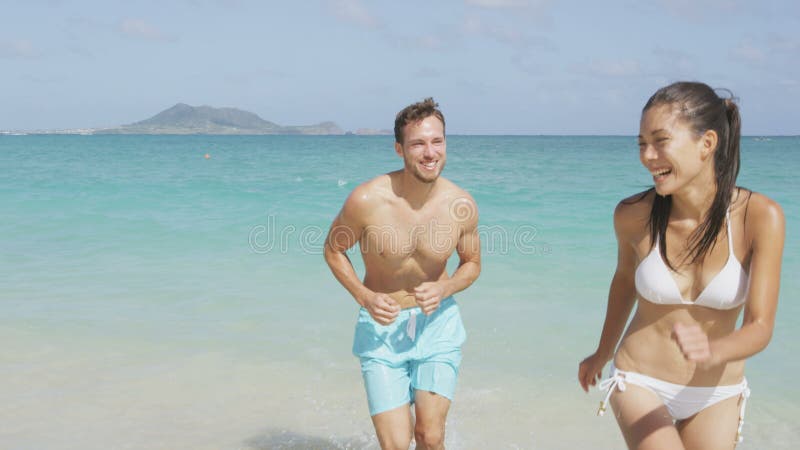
[
  {"x": 767, "y": 224},
  {"x": 621, "y": 296}
]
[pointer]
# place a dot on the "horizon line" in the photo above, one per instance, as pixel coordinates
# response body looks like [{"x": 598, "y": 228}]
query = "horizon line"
[{"x": 90, "y": 132}]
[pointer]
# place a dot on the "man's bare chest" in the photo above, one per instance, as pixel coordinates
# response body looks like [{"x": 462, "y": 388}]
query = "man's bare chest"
[{"x": 432, "y": 236}]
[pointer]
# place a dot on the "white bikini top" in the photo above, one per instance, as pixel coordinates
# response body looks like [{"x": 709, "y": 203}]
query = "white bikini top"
[{"x": 727, "y": 290}]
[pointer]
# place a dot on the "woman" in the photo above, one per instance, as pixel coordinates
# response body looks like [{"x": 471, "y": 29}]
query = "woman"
[{"x": 694, "y": 250}]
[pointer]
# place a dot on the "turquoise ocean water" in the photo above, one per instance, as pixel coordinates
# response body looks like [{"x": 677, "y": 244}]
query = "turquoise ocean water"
[{"x": 155, "y": 299}]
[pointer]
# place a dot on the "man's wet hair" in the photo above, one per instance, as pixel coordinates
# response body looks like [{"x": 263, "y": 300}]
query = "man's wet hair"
[{"x": 415, "y": 113}]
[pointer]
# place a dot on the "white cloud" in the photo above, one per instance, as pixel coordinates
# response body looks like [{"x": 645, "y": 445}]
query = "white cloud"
[
  {"x": 505, "y": 34},
  {"x": 48, "y": 3},
  {"x": 256, "y": 77},
  {"x": 83, "y": 22},
  {"x": 44, "y": 78},
  {"x": 427, "y": 72},
  {"x": 701, "y": 10},
  {"x": 675, "y": 62},
  {"x": 435, "y": 42},
  {"x": 498, "y": 3},
  {"x": 429, "y": 42},
  {"x": 782, "y": 43},
  {"x": 472, "y": 24},
  {"x": 526, "y": 49},
  {"x": 623, "y": 68},
  {"x": 749, "y": 53},
  {"x": 530, "y": 64},
  {"x": 140, "y": 29},
  {"x": 531, "y": 12},
  {"x": 508, "y": 4},
  {"x": 353, "y": 11},
  {"x": 18, "y": 48},
  {"x": 238, "y": 4},
  {"x": 81, "y": 52}
]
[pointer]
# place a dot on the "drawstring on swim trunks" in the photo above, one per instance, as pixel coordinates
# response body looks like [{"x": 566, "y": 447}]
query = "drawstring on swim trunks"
[
  {"x": 745, "y": 395},
  {"x": 411, "y": 327},
  {"x": 615, "y": 381}
]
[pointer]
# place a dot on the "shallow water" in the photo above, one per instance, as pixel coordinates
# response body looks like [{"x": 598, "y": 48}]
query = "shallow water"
[{"x": 156, "y": 299}]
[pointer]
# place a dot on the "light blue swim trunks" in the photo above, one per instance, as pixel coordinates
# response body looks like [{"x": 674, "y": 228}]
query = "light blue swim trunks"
[{"x": 413, "y": 352}]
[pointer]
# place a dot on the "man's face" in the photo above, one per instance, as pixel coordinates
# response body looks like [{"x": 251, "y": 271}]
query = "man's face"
[{"x": 424, "y": 149}]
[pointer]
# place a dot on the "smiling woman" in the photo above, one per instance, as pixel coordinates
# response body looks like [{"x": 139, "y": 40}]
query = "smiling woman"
[{"x": 677, "y": 378}]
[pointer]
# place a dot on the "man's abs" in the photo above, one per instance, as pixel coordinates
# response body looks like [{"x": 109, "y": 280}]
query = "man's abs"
[{"x": 400, "y": 287}]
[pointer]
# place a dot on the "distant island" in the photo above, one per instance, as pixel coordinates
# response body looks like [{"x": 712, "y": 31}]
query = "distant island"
[{"x": 186, "y": 119}]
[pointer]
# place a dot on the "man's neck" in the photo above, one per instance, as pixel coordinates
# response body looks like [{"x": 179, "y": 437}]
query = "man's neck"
[{"x": 414, "y": 191}]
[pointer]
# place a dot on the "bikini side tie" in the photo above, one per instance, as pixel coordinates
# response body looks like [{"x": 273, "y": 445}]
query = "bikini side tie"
[
  {"x": 614, "y": 381},
  {"x": 745, "y": 396}
]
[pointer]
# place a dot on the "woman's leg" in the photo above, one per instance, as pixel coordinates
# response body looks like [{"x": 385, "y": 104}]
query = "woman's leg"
[
  {"x": 644, "y": 420},
  {"x": 712, "y": 428}
]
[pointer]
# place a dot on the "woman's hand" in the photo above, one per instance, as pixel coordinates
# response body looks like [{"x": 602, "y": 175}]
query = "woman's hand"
[
  {"x": 590, "y": 370},
  {"x": 694, "y": 344}
]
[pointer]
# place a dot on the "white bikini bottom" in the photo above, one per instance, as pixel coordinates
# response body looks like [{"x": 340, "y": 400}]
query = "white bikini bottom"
[{"x": 681, "y": 401}]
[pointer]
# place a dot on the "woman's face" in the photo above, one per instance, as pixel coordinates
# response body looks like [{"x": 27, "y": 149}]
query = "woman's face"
[{"x": 672, "y": 152}]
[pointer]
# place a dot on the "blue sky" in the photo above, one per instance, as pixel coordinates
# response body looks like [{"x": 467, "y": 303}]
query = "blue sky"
[{"x": 495, "y": 66}]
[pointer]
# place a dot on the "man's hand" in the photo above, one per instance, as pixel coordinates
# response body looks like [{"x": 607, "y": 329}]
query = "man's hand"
[
  {"x": 428, "y": 296},
  {"x": 382, "y": 308}
]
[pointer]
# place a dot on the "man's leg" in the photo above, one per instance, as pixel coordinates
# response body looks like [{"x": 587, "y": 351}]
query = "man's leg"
[
  {"x": 431, "y": 410},
  {"x": 394, "y": 428},
  {"x": 435, "y": 374},
  {"x": 389, "y": 396}
]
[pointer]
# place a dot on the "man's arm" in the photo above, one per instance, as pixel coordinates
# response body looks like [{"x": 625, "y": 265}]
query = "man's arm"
[
  {"x": 346, "y": 230},
  {"x": 465, "y": 213}
]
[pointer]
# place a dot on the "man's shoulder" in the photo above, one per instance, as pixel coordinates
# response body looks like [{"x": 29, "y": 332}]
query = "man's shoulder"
[
  {"x": 460, "y": 204},
  {"x": 371, "y": 192},
  {"x": 378, "y": 185},
  {"x": 448, "y": 187}
]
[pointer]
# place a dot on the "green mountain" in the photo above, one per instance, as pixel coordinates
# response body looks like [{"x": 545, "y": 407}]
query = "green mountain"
[{"x": 186, "y": 119}]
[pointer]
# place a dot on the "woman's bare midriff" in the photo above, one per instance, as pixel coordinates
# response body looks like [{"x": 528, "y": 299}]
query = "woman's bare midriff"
[{"x": 649, "y": 348}]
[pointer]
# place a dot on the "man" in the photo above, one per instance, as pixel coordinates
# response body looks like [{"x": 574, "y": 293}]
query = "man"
[{"x": 409, "y": 332}]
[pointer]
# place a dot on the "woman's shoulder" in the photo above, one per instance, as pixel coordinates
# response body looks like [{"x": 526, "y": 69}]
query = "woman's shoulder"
[
  {"x": 633, "y": 213},
  {"x": 760, "y": 213},
  {"x": 635, "y": 206}
]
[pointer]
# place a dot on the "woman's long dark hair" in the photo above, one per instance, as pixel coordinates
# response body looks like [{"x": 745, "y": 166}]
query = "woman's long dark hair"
[{"x": 702, "y": 109}]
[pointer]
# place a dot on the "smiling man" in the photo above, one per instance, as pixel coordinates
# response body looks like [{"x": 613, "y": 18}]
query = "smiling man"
[{"x": 409, "y": 332}]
